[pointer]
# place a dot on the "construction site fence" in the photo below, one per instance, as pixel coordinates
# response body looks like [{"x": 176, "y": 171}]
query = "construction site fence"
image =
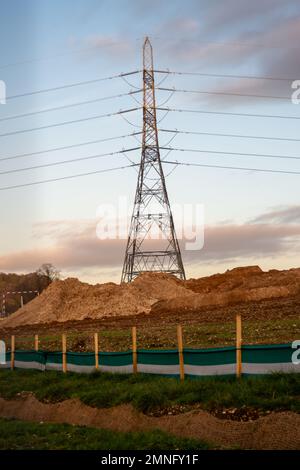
[{"x": 239, "y": 360}]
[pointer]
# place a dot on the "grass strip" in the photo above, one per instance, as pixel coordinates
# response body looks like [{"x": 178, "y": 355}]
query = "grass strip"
[
  {"x": 20, "y": 435},
  {"x": 148, "y": 393}
]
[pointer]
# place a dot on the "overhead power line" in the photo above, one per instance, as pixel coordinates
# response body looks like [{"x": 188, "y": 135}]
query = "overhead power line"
[
  {"x": 219, "y": 75},
  {"x": 64, "y": 162},
  {"x": 263, "y": 155},
  {"x": 226, "y": 113},
  {"x": 71, "y": 105},
  {"x": 71, "y": 85},
  {"x": 81, "y": 144},
  {"x": 74, "y": 121},
  {"x": 239, "y": 136},
  {"x": 212, "y": 92},
  {"x": 233, "y": 168},
  {"x": 78, "y": 175}
]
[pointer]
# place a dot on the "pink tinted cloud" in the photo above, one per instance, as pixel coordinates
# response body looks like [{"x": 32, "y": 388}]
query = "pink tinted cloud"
[
  {"x": 73, "y": 249},
  {"x": 268, "y": 51}
]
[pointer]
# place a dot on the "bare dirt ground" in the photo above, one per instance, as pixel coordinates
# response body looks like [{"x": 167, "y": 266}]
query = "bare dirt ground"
[
  {"x": 266, "y": 321},
  {"x": 271, "y": 321},
  {"x": 269, "y": 303},
  {"x": 279, "y": 430},
  {"x": 150, "y": 293}
]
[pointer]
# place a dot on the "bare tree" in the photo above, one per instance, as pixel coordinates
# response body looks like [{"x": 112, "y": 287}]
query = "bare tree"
[{"x": 49, "y": 272}]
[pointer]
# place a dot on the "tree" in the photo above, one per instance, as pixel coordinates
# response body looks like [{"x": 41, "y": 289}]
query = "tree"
[{"x": 49, "y": 272}]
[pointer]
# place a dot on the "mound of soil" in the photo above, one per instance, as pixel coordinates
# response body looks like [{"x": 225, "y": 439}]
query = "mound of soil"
[
  {"x": 72, "y": 300},
  {"x": 246, "y": 284},
  {"x": 275, "y": 431}
]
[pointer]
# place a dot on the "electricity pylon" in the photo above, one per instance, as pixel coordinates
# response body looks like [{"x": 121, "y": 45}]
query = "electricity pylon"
[{"x": 151, "y": 213}]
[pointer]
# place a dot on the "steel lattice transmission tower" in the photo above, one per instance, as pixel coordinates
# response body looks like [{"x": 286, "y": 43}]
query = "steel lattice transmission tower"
[{"x": 151, "y": 212}]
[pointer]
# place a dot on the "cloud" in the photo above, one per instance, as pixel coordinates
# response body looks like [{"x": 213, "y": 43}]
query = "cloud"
[
  {"x": 116, "y": 46},
  {"x": 73, "y": 245},
  {"x": 249, "y": 240},
  {"x": 73, "y": 253},
  {"x": 281, "y": 61},
  {"x": 246, "y": 38},
  {"x": 250, "y": 38},
  {"x": 59, "y": 230},
  {"x": 224, "y": 17},
  {"x": 286, "y": 215},
  {"x": 183, "y": 25},
  {"x": 120, "y": 48}
]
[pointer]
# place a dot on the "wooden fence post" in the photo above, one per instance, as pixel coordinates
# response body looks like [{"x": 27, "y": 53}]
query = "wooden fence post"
[
  {"x": 134, "y": 350},
  {"x": 238, "y": 346},
  {"x": 36, "y": 342},
  {"x": 64, "y": 353},
  {"x": 96, "y": 343},
  {"x": 180, "y": 351},
  {"x": 12, "y": 352}
]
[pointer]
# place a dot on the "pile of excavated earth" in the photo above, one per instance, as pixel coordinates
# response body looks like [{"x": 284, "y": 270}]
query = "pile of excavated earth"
[{"x": 70, "y": 299}]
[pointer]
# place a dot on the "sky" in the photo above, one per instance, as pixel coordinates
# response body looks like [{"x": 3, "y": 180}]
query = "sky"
[{"x": 250, "y": 217}]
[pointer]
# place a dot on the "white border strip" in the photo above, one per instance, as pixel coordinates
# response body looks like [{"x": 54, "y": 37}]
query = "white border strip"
[
  {"x": 268, "y": 368},
  {"x": 222, "y": 369},
  {"x": 197, "y": 370},
  {"x": 159, "y": 369},
  {"x": 128, "y": 369},
  {"x": 5, "y": 366},
  {"x": 29, "y": 365},
  {"x": 53, "y": 366},
  {"x": 79, "y": 368}
]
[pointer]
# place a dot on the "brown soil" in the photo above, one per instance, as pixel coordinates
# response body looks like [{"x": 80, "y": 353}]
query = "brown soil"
[
  {"x": 244, "y": 413},
  {"x": 263, "y": 310},
  {"x": 275, "y": 431},
  {"x": 160, "y": 297},
  {"x": 247, "y": 284},
  {"x": 73, "y": 300}
]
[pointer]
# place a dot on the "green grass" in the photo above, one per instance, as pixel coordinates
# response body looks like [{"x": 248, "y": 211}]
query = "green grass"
[
  {"x": 212, "y": 334},
  {"x": 148, "y": 393},
  {"x": 17, "y": 435}
]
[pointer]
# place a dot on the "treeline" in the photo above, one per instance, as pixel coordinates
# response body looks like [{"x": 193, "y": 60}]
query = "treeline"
[{"x": 37, "y": 281}]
